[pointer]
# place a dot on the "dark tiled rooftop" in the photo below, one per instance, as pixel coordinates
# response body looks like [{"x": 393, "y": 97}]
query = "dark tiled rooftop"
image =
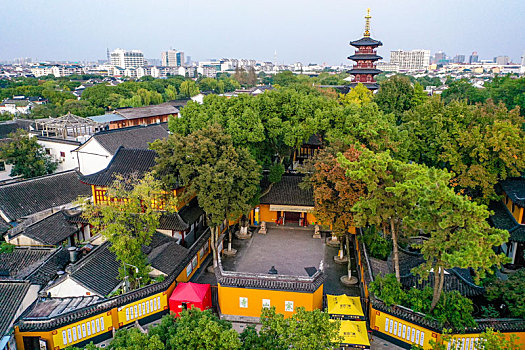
[
  {"x": 13, "y": 125},
  {"x": 514, "y": 187},
  {"x": 11, "y": 295},
  {"x": 287, "y": 192},
  {"x": 51, "y": 230},
  {"x": 366, "y": 41},
  {"x": 31, "y": 196},
  {"x": 98, "y": 271},
  {"x": 164, "y": 254},
  {"x": 125, "y": 162},
  {"x": 133, "y": 137},
  {"x": 455, "y": 279},
  {"x": 52, "y": 307},
  {"x": 504, "y": 220},
  {"x": 105, "y": 305},
  {"x": 36, "y": 264},
  {"x": 148, "y": 111}
]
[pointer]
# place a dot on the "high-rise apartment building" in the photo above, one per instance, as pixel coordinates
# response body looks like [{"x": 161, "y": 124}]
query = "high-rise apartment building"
[
  {"x": 127, "y": 59},
  {"x": 172, "y": 58},
  {"x": 502, "y": 60},
  {"x": 439, "y": 57},
  {"x": 474, "y": 58},
  {"x": 459, "y": 59},
  {"x": 410, "y": 60}
]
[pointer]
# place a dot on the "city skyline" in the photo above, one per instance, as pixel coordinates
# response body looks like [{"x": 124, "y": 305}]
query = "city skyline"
[{"x": 304, "y": 31}]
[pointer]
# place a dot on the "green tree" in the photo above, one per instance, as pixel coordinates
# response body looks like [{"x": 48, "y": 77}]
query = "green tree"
[
  {"x": 395, "y": 95},
  {"x": 171, "y": 93},
  {"x": 366, "y": 125},
  {"x": 308, "y": 330},
  {"x": 508, "y": 90},
  {"x": 128, "y": 223},
  {"x": 133, "y": 339},
  {"x": 358, "y": 95},
  {"x": 491, "y": 340},
  {"x": 510, "y": 292},
  {"x": 27, "y": 156},
  {"x": 456, "y": 230},
  {"x": 225, "y": 179},
  {"x": 335, "y": 194},
  {"x": 188, "y": 89},
  {"x": 389, "y": 195},
  {"x": 196, "y": 329},
  {"x": 481, "y": 144},
  {"x": 464, "y": 91}
]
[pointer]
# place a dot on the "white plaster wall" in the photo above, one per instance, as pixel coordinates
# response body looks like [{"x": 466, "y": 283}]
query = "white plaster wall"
[
  {"x": 92, "y": 157},
  {"x": 68, "y": 162},
  {"x": 4, "y": 175},
  {"x": 29, "y": 298},
  {"x": 69, "y": 288},
  {"x": 22, "y": 240}
]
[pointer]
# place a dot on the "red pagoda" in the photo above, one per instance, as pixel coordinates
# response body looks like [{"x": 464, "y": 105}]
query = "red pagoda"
[{"x": 365, "y": 57}]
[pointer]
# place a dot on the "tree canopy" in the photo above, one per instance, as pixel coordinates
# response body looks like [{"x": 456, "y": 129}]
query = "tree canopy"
[{"x": 29, "y": 159}]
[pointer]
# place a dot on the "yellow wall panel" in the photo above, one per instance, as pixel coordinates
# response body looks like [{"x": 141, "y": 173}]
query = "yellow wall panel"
[
  {"x": 249, "y": 302},
  {"x": 400, "y": 329},
  {"x": 80, "y": 331}
]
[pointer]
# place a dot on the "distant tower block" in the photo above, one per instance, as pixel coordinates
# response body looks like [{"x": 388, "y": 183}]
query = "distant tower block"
[{"x": 364, "y": 70}]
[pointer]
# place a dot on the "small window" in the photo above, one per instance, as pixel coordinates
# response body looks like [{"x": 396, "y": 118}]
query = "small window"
[
  {"x": 63, "y": 154},
  {"x": 48, "y": 151}
]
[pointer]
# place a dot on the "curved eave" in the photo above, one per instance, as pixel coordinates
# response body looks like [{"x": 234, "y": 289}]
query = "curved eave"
[
  {"x": 366, "y": 42},
  {"x": 358, "y": 57},
  {"x": 363, "y": 71},
  {"x": 370, "y": 86}
]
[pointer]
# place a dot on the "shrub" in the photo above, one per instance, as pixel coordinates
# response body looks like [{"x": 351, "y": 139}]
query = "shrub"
[{"x": 378, "y": 246}]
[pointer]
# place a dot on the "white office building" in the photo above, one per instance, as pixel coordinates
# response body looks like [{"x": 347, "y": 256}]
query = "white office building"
[
  {"x": 127, "y": 59},
  {"x": 172, "y": 58},
  {"x": 414, "y": 60}
]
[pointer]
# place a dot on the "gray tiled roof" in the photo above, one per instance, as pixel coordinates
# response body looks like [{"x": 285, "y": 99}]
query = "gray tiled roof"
[
  {"x": 148, "y": 111},
  {"x": 37, "y": 264},
  {"x": 366, "y": 41},
  {"x": 24, "y": 198},
  {"x": 164, "y": 254},
  {"x": 455, "y": 279},
  {"x": 133, "y": 137},
  {"x": 287, "y": 192},
  {"x": 4, "y": 226},
  {"x": 98, "y": 271},
  {"x": 120, "y": 300},
  {"x": 52, "y": 230},
  {"x": 13, "y": 125},
  {"x": 504, "y": 220},
  {"x": 125, "y": 162},
  {"x": 514, "y": 187},
  {"x": 52, "y": 307},
  {"x": 11, "y": 295}
]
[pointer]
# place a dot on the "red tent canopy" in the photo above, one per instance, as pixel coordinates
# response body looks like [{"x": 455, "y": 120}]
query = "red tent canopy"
[{"x": 188, "y": 295}]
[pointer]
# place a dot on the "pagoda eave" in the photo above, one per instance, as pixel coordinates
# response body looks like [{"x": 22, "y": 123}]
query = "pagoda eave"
[
  {"x": 363, "y": 71},
  {"x": 366, "y": 41},
  {"x": 370, "y": 86},
  {"x": 358, "y": 57}
]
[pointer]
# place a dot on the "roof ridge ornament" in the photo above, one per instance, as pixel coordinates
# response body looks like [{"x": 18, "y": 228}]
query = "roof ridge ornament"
[{"x": 367, "y": 25}]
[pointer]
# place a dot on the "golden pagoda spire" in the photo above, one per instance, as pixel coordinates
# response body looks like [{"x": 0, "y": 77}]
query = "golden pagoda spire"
[{"x": 367, "y": 25}]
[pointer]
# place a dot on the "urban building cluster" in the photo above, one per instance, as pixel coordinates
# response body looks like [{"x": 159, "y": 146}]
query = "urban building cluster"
[{"x": 60, "y": 284}]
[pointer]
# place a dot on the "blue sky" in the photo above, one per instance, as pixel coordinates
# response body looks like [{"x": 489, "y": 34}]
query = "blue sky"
[{"x": 307, "y": 31}]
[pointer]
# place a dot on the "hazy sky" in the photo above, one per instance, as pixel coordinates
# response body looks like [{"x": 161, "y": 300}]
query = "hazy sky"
[{"x": 299, "y": 30}]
